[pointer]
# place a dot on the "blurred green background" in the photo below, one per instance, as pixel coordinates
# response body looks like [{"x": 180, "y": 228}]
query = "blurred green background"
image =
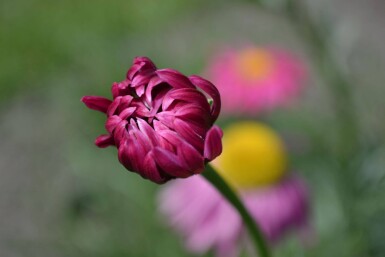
[{"x": 61, "y": 196}]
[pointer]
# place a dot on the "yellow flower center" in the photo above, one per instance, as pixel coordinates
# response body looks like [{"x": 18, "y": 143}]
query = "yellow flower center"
[
  {"x": 254, "y": 63},
  {"x": 253, "y": 155}
]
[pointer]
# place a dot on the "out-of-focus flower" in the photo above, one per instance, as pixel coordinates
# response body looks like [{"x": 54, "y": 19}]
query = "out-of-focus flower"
[
  {"x": 161, "y": 121},
  {"x": 254, "y": 156},
  {"x": 257, "y": 169},
  {"x": 252, "y": 80}
]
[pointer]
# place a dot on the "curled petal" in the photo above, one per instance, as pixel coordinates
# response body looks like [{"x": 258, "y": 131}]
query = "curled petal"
[
  {"x": 112, "y": 122},
  {"x": 96, "y": 103},
  {"x": 135, "y": 152},
  {"x": 125, "y": 101},
  {"x": 154, "y": 82},
  {"x": 167, "y": 118},
  {"x": 114, "y": 106},
  {"x": 213, "y": 143},
  {"x": 140, "y": 64},
  {"x": 103, "y": 141},
  {"x": 170, "y": 163},
  {"x": 174, "y": 78},
  {"x": 123, "y": 155},
  {"x": 142, "y": 79},
  {"x": 120, "y": 89},
  {"x": 190, "y": 95},
  {"x": 211, "y": 90},
  {"x": 127, "y": 113},
  {"x": 193, "y": 159},
  {"x": 158, "y": 126},
  {"x": 151, "y": 171},
  {"x": 194, "y": 114},
  {"x": 120, "y": 132},
  {"x": 185, "y": 130},
  {"x": 157, "y": 102},
  {"x": 148, "y": 132}
]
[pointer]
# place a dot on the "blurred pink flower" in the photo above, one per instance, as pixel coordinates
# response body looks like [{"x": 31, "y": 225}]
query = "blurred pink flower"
[
  {"x": 252, "y": 80},
  {"x": 161, "y": 121},
  {"x": 206, "y": 220}
]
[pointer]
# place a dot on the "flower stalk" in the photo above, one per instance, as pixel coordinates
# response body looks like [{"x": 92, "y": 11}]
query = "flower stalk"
[{"x": 255, "y": 232}]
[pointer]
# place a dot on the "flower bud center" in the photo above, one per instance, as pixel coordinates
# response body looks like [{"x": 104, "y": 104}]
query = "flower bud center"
[
  {"x": 254, "y": 63},
  {"x": 253, "y": 155}
]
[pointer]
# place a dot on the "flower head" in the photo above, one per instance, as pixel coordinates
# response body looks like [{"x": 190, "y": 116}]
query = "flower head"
[
  {"x": 254, "y": 155},
  {"x": 161, "y": 121},
  {"x": 258, "y": 171},
  {"x": 252, "y": 80}
]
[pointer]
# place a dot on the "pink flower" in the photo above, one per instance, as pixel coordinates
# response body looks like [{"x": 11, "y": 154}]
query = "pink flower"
[
  {"x": 252, "y": 80},
  {"x": 206, "y": 220},
  {"x": 161, "y": 121}
]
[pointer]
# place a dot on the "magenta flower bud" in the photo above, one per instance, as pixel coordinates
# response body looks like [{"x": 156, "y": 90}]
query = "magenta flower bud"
[{"x": 161, "y": 121}]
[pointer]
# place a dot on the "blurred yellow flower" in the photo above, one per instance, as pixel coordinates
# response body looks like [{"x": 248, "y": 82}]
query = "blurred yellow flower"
[{"x": 253, "y": 155}]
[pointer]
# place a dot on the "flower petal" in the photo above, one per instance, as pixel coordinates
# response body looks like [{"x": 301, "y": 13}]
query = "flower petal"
[
  {"x": 140, "y": 64},
  {"x": 174, "y": 78},
  {"x": 170, "y": 163},
  {"x": 151, "y": 171},
  {"x": 187, "y": 133},
  {"x": 112, "y": 122},
  {"x": 96, "y": 103},
  {"x": 193, "y": 159},
  {"x": 103, "y": 141},
  {"x": 211, "y": 90},
  {"x": 213, "y": 143}
]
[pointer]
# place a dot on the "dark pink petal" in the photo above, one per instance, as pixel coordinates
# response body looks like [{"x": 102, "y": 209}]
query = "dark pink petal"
[
  {"x": 148, "y": 131},
  {"x": 125, "y": 101},
  {"x": 193, "y": 159},
  {"x": 135, "y": 152},
  {"x": 123, "y": 156},
  {"x": 168, "y": 139},
  {"x": 157, "y": 102},
  {"x": 158, "y": 126},
  {"x": 154, "y": 82},
  {"x": 170, "y": 163},
  {"x": 96, "y": 103},
  {"x": 103, "y": 141},
  {"x": 151, "y": 171},
  {"x": 195, "y": 114},
  {"x": 114, "y": 106},
  {"x": 141, "y": 109},
  {"x": 197, "y": 128},
  {"x": 115, "y": 89},
  {"x": 120, "y": 132},
  {"x": 127, "y": 113},
  {"x": 143, "y": 140},
  {"x": 140, "y": 90},
  {"x": 190, "y": 95},
  {"x": 112, "y": 122},
  {"x": 211, "y": 90},
  {"x": 171, "y": 136},
  {"x": 213, "y": 143},
  {"x": 120, "y": 89},
  {"x": 174, "y": 78},
  {"x": 187, "y": 133},
  {"x": 167, "y": 118},
  {"x": 142, "y": 78},
  {"x": 140, "y": 64}
]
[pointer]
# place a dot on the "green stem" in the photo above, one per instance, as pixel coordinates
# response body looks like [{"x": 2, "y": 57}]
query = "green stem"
[{"x": 221, "y": 185}]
